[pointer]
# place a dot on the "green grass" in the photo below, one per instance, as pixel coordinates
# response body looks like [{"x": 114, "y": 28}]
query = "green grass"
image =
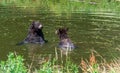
[
  {"x": 15, "y": 64},
  {"x": 65, "y": 6},
  {"x": 92, "y": 66}
]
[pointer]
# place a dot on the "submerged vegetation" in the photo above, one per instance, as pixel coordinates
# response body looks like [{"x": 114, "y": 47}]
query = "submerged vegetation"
[{"x": 15, "y": 64}]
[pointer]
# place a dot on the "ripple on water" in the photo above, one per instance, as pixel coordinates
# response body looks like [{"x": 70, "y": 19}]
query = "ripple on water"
[{"x": 87, "y": 30}]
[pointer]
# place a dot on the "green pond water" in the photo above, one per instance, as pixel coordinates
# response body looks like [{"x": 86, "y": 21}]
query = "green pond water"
[{"x": 99, "y": 31}]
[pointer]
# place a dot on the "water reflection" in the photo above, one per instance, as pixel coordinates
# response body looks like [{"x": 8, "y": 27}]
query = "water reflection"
[
  {"x": 32, "y": 50},
  {"x": 34, "y": 55}
]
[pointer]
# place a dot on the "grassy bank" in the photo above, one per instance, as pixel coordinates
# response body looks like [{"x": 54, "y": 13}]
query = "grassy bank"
[
  {"x": 15, "y": 64},
  {"x": 65, "y": 6}
]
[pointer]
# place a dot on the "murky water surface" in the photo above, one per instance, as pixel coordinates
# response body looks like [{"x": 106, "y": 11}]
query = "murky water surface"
[{"x": 99, "y": 31}]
